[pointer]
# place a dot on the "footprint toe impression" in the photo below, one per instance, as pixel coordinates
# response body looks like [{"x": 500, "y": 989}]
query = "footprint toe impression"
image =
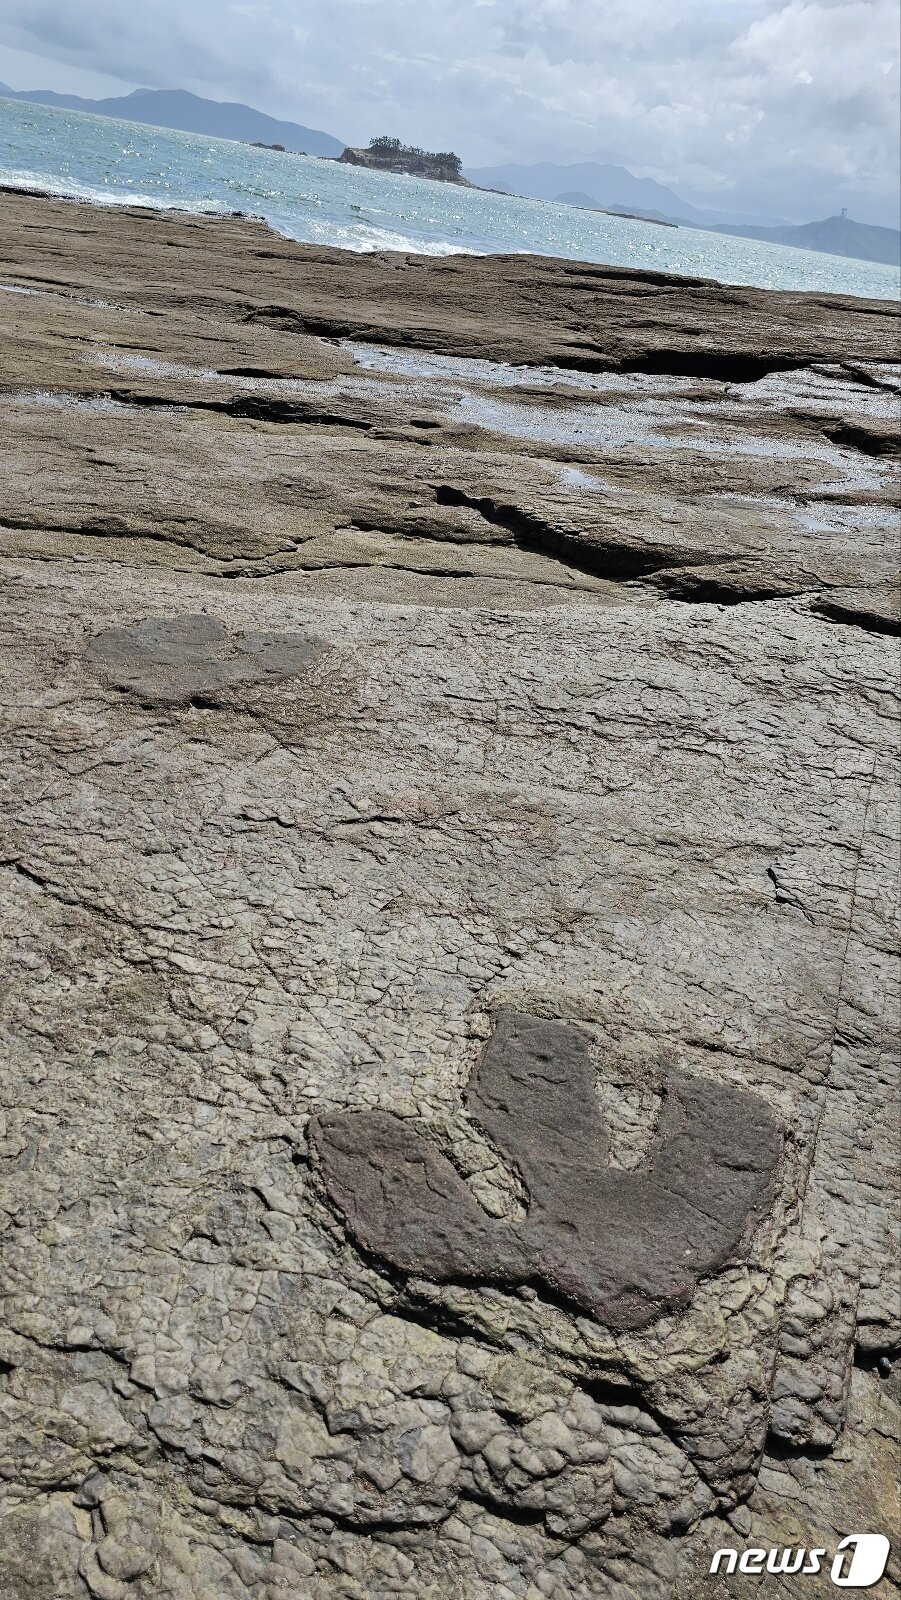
[{"x": 624, "y": 1246}]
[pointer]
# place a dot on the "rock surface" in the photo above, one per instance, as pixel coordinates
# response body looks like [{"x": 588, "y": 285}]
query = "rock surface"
[
  {"x": 414, "y": 762},
  {"x": 624, "y": 1247}
]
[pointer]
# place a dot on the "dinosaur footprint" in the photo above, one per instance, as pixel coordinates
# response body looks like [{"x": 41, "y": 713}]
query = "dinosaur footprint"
[{"x": 623, "y": 1246}]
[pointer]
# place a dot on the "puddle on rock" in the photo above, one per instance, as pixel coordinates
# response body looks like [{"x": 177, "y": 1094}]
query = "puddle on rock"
[
  {"x": 468, "y": 370},
  {"x": 815, "y": 390},
  {"x": 59, "y": 400},
  {"x": 575, "y": 478},
  {"x": 653, "y": 413},
  {"x": 878, "y": 524}
]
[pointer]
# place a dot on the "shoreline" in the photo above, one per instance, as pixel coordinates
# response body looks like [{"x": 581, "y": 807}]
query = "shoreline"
[
  {"x": 484, "y": 228},
  {"x": 622, "y": 216},
  {"x": 448, "y": 698},
  {"x": 527, "y": 309}
]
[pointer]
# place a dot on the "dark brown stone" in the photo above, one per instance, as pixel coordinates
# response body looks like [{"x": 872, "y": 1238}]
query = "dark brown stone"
[{"x": 625, "y": 1246}]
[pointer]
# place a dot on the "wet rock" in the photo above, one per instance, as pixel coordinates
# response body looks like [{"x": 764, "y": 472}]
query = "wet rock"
[{"x": 573, "y": 314}]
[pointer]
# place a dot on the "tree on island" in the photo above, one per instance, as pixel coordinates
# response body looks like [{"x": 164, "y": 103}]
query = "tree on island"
[{"x": 386, "y": 146}]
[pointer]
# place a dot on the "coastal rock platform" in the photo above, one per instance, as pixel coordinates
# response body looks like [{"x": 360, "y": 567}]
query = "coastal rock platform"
[{"x": 448, "y": 842}]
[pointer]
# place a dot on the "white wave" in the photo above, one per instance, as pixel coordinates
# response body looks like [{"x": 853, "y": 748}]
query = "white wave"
[
  {"x": 69, "y": 189},
  {"x": 365, "y": 239},
  {"x": 361, "y": 238}
]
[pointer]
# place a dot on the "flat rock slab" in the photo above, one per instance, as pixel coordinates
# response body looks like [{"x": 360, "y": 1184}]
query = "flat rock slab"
[
  {"x": 516, "y": 307},
  {"x": 448, "y": 848}
]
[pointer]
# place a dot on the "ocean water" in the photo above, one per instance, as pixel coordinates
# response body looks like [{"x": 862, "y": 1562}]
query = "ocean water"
[{"x": 123, "y": 163}]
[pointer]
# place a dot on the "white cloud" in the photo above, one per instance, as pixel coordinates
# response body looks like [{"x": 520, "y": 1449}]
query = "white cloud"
[{"x": 781, "y": 104}]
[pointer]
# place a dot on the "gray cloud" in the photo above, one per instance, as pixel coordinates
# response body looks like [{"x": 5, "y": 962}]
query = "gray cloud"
[{"x": 789, "y": 107}]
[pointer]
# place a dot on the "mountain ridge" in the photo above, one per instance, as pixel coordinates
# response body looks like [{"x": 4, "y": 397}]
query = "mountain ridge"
[
  {"x": 181, "y": 111},
  {"x": 835, "y": 236},
  {"x": 612, "y": 189},
  {"x": 607, "y": 185}
]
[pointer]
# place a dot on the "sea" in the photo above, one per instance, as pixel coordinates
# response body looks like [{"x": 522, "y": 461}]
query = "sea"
[{"x": 109, "y": 162}]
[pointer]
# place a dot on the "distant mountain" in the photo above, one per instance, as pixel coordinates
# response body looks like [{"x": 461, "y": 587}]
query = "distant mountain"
[
  {"x": 606, "y": 186},
  {"x": 577, "y": 197},
  {"x": 836, "y": 236},
  {"x": 574, "y": 197},
  {"x": 175, "y": 108}
]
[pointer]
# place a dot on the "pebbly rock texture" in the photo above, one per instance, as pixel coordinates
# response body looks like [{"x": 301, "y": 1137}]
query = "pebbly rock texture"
[{"x": 447, "y": 805}]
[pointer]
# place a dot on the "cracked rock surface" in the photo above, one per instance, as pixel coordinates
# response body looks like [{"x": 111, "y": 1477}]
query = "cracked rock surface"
[{"x": 447, "y": 858}]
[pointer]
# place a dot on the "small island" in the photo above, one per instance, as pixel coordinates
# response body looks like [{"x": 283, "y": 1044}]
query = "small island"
[{"x": 390, "y": 155}]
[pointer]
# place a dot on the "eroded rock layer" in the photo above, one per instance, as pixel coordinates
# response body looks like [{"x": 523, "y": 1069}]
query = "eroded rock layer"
[{"x": 448, "y": 850}]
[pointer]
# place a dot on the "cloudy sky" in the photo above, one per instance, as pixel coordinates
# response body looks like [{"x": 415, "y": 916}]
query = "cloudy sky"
[{"x": 761, "y": 105}]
